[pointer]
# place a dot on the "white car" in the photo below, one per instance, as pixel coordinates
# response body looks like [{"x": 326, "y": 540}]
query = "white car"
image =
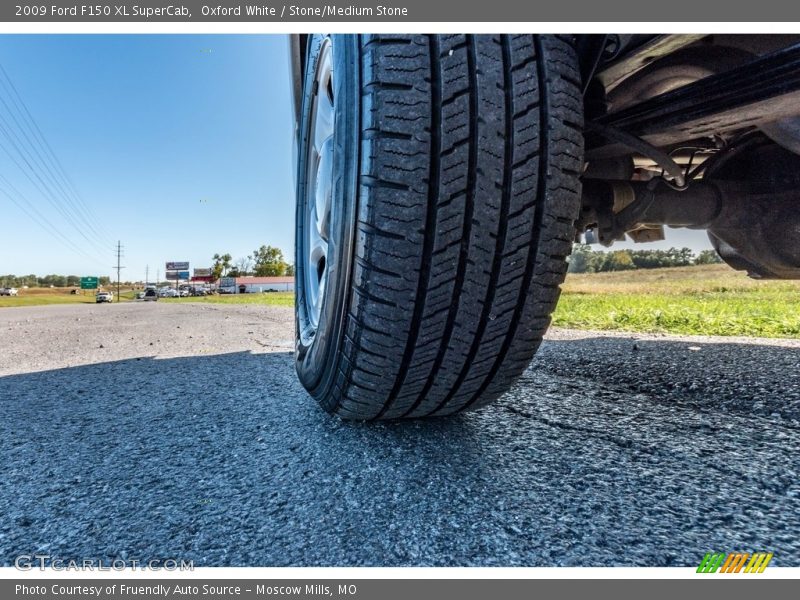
[
  {"x": 101, "y": 297},
  {"x": 8, "y": 291},
  {"x": 168, "y": 293}
]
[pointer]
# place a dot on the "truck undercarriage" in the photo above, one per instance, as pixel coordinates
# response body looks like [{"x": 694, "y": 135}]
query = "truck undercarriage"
[{"x": 695, "y": 131}]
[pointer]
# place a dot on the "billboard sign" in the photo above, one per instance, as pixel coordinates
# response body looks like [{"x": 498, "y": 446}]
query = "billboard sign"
[
  {"x": 227, "y": 282},
  {"x": 171, "y": 275},
  {"x": 89, "y": 283},
  {"x": 202, "y": 273},
  {"x": 177, "y": 266},
  {"x": 183, "y": 275}
]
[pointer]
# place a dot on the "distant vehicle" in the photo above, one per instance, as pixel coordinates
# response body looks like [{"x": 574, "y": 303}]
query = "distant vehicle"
[
  {"x": 8, "y": 291},
  {"x": 101, "y": 297},
  {"x": 184, "y": 293},
  {"x": 140, "y": 295},
  {"x": 150, "y": 294},
  {"x": 168, "y": 293}
]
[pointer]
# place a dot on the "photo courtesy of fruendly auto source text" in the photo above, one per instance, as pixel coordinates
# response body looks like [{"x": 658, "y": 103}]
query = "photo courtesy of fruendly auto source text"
[{"x": 399, "y": 299}]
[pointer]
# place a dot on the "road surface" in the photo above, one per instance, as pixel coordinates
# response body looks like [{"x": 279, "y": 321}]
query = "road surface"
[{"x": 170, "y": 430}]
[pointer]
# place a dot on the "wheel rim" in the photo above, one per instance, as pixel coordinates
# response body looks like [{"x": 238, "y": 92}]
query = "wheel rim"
[{"x": 319, "y": 188}]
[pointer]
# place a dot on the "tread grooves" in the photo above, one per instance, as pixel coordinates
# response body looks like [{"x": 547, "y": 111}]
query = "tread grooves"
[
  {"x": 541, "y": 191},
  {"x": 430, "y": 225},
  {"x": 497, "y": 259},
  {"x": 467, "y": 232}
]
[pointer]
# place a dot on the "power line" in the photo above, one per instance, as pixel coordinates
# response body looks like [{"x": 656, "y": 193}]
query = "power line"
[
  {"x": 37, "y": 217},
  {"x": 47, "y": 171},
  {"x": 49, "y": 180},
  {"x": 57, "y": 171},
  {"x": 46, "y": 191}
]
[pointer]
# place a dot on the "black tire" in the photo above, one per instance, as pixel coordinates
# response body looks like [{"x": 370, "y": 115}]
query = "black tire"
[{"x": 456, "y": 189}]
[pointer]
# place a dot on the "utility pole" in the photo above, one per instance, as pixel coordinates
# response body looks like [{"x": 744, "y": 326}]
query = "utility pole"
[
  {"x": 146, "y": 275},
  {"x": 119, "y": 267}
]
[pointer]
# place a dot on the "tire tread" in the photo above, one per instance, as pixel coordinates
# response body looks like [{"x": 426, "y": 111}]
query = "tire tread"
[{"x": 469, "y": 190}]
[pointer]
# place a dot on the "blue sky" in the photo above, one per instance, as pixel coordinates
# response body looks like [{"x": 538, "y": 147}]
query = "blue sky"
[{"x": 180, "y": 147}]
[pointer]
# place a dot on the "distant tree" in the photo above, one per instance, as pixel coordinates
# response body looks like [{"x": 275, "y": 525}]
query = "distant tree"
[
  {"x": 619, "y": 260},
  {"x": 681, "y": 257},
  {"x": 53, "y": 280},
  {"x": 650, "y": 259},
  {"x": 583, "y": 259},
  {"x": 243, "y": 266},
  {"x": 269, "y": 262},
  {"x": 289, "y": 270},
  {"x": 222, "y": 264},
  {"x": 707, "y": 257}
]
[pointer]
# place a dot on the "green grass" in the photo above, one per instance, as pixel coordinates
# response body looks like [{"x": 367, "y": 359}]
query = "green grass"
[
  {"x": 41, "y": 299},
  {"x": 268, "y": 299},
  {"x": 45, "y": 296},
  {"x": 708, "y": 300}
]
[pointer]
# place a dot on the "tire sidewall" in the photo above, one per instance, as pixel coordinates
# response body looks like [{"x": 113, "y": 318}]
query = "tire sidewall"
[{"x": 316, "y": 356}]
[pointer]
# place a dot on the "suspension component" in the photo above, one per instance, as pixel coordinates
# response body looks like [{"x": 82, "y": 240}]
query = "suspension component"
[{"x": 753, "y": 230}]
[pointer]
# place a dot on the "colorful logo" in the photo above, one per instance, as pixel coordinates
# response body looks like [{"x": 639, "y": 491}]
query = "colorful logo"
[{"x": 734, "y": 562}]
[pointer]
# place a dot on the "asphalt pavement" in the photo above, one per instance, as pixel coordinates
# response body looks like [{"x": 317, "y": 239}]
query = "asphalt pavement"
[{"x": 170, "y": 430}]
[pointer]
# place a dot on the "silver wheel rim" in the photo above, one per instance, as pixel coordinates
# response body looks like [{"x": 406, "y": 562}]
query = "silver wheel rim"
[{"x": 319, "y": 187}]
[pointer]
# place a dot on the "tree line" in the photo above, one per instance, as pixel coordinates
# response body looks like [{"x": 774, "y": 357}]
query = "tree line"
[
  {"x": 586, "y": 260},
  {"x": 32, "y": 280},
  {"x": 266, "y": 261}
]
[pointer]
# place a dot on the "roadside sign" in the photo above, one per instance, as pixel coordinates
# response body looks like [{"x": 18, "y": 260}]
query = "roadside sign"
[
  {"x": 202, "y": 273},
  {"x": 170, "y": 275},
  {"x": 227, "y": 282},
  {"x": 208, "y": 279},
  {"x": 183, "y": 275},
  {"x": 89, "y": 283},
  {"x": 177, "y": 266}
]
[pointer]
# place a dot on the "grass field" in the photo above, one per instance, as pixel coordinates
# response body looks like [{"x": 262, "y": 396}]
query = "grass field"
[
  {"x": 703, "y": 300},
  {"x": 268, "y": 299},
  {"x": 44, "y": 296}
]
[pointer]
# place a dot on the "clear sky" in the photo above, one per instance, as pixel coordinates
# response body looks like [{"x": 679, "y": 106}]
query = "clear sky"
[{"x": 180, "y": 146}]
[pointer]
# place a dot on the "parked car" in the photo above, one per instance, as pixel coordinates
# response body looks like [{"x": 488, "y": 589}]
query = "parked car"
[
  {"x": 103, "y": 296},
  {"x": 8, "y": 291},
  {"x": 140, "y": 295},
  {"x": 150, "y": 295},
  {"x": 428, "y": 268}
]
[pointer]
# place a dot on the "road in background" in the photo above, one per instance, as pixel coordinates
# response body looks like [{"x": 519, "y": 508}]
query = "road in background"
[{"x": 179, "y": 430}]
